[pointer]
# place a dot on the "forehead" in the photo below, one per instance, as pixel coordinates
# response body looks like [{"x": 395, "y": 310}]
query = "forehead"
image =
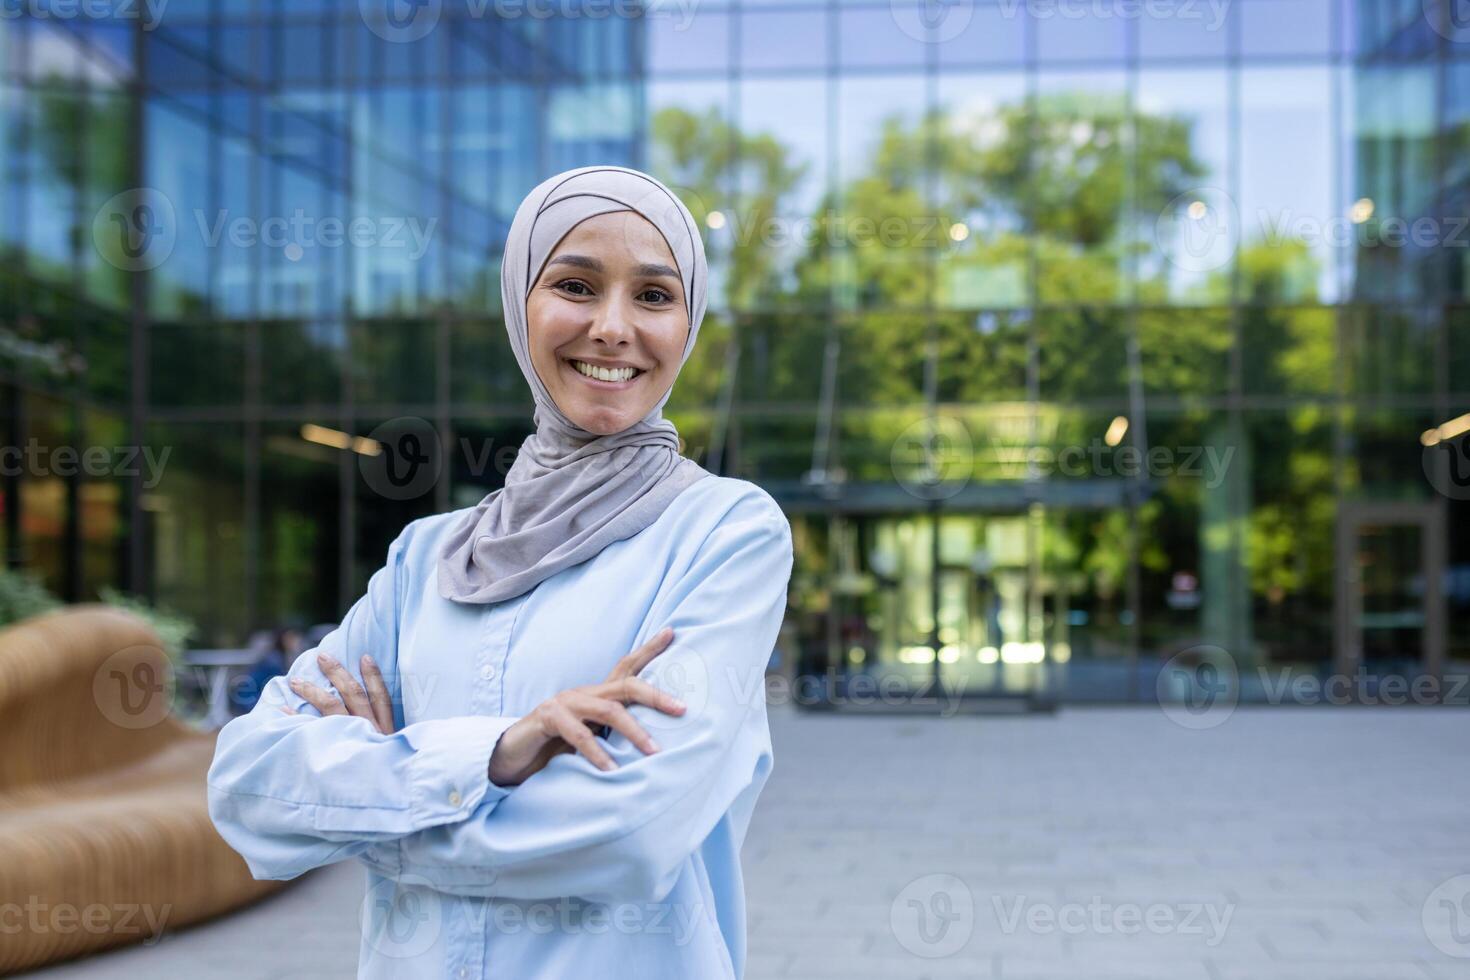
[{"x": 617, "y": 235}]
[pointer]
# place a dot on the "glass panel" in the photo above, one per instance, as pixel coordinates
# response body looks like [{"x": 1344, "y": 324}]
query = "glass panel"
[
  {"x": 1388, "y": 352},
  {"x": 301, "y": 363},
  {"x": 784, "y": 174},
  {"x": 1390, "y": 578},
  {"x": 1384, "y": 454},
  {"x": 1286, "y": 27},
  {"x": 986, "y": 261},
  {"x": 1286, "y": 184},
  {"x": 103, "y": 503},
  {"x": 993, "y": 34},
  {"x": 871, "y": 37},
  {"x": 1084, "y": 355},
  {"x": 1289, "y": 470},
  {"x": 1076, "y": 180},
  {"x": 696, "y": 42},
  {"x": 483, "y": 368},
  {"x": 885, "y": 234},
  {"x": 300, "y": 527},
  {"x": 1187, "y": 231},
  {"x": 1289, "y": 351},
  {"x": 393, "y": 362},
  {"x": 982, "y": 356},
  {"x": 1079, "y": 32},
  {"x": 178, "y": 171},
  {"x": 196, "y": 364},
  {"x": 1187, "y": 32},
  {"x": 1387, "y": 242},
  {"x": 783, "y": 39},
  {"x": 193, "y": 526},
  {"x": 1187, "y": 355}
]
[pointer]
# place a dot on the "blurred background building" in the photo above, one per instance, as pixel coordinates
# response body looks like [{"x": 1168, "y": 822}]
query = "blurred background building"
[{"x": 1069, "y": 339}]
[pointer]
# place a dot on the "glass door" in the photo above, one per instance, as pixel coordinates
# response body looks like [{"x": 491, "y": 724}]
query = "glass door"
[{"x": 1390, "y": 589}]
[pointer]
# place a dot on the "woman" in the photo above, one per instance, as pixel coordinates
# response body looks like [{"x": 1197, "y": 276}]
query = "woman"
[{"x": 483, "y": 730}]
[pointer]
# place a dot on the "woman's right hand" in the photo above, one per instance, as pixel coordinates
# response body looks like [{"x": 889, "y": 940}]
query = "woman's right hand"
[{"x": 566, "y": 722}]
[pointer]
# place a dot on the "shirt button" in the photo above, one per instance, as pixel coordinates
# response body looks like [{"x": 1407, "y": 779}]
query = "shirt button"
[
  {"x": 464, "y": 971},
  {"x": 487, "y": 672},
  {"x": 454, "y": 797}
]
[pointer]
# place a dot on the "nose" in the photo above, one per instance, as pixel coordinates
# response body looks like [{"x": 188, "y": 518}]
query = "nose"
[{"x": 612, "y": 322}]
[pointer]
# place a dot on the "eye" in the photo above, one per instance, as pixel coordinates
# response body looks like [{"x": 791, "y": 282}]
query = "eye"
[
  {"x": 664, "y": 296},
  {"x": 567, "y": 283}
]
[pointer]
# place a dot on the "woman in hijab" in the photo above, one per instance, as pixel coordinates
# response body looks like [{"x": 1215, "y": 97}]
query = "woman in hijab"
[{"x": 543, "y": 728}]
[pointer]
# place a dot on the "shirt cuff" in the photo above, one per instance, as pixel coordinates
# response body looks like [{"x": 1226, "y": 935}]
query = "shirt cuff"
[{"x": 450, "y": 772}]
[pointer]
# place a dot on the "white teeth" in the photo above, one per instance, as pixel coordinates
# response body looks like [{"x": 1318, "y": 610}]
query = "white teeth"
[{"x": 605, "y": 374}]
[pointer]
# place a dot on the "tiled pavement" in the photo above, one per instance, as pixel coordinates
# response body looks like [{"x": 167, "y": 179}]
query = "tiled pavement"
[{"x": 1290, "y": 843}]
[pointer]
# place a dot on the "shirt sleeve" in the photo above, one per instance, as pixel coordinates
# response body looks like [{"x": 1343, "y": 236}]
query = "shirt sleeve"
[
  {"x": 572, "y": 829},
  {"x": 294, "y": 792}
]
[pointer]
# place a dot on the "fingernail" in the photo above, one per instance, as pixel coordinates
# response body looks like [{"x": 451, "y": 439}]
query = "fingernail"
[
  {"x": 680, "y": 704},
  {"x": 323, "y": 658},
  {"x": 368, "y": 659},
  {"x": 654, "y": 746}
]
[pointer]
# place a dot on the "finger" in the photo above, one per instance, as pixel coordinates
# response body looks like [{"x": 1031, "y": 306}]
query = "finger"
[
  {"x": 378, "y": 696},
  {"x": 636, "y": 690},
  {"x": 616, "y": 717},
  {"x": 633, "y": 663},
  {"x": 352, "y": 693},
  {"x": 287, "y": 709},
  {"x": 571, "y": 728},
  {"x": 327, "y": 704}
]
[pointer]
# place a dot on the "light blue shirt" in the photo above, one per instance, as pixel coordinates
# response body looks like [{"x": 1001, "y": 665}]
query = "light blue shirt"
[{"x": 575, "y": 872}]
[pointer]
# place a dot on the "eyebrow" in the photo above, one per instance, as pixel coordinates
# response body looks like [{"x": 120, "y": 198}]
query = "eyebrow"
[{"x": 588, "y": 262}]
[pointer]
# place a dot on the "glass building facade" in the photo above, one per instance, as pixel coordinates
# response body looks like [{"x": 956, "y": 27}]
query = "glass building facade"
[{"x": 1073, "y": 337}]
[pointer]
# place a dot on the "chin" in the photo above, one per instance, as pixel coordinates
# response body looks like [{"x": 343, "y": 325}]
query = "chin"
[{"x": 602, "y": 423}]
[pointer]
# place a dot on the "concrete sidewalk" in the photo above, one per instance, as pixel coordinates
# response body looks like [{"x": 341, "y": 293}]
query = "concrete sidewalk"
[{"x": 1095, "y": 844}]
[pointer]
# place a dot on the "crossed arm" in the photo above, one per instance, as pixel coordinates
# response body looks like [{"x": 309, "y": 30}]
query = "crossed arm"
[{"x": 294, "y": 792}]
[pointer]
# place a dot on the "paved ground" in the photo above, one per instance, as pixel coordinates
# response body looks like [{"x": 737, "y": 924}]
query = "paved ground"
[{"x": 1096, "y": 844}]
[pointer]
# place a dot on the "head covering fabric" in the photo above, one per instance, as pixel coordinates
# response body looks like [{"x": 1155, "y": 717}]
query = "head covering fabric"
[{"x": 571, "y": 492}]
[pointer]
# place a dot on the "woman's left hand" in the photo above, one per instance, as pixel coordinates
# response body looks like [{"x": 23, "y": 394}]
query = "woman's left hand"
[{"x": 369, "y": 700}]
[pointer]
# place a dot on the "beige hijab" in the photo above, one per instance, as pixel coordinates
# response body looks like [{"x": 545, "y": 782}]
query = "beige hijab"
[{"x": 570, "y": 492}]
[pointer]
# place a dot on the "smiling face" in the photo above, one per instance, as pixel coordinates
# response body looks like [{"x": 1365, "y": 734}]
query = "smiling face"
[{"x": 606, "y": 321}]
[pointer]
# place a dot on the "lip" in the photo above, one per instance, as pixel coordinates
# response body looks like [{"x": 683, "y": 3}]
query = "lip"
[{"x": 598, "y": 382}]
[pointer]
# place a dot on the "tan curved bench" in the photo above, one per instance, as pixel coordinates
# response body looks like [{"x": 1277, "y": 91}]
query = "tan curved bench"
[{"x": 105, "y": 837}]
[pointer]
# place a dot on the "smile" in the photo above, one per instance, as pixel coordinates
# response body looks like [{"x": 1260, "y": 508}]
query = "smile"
[{"x": 603, "y": 377}]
